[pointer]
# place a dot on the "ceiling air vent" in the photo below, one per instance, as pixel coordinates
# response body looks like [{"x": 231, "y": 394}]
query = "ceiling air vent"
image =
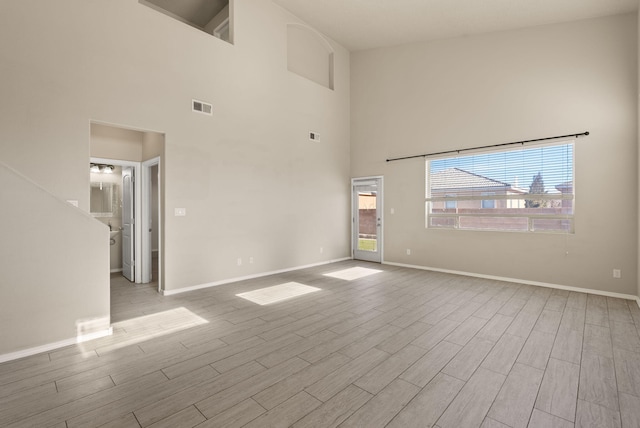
[{"x": 202, "y": 107}]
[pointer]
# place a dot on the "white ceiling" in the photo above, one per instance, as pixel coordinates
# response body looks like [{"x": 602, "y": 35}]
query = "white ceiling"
[{"x": 366, "y": 24}]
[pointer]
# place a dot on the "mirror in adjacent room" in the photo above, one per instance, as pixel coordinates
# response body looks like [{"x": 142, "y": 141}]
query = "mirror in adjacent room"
[
  {"x": 101, "y": 199},
  {"x": 104, "y": 199}
]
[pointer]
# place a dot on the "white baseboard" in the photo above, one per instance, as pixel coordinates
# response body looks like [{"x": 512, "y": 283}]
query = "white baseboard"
[
  {"x": 524, "y": 281},
  {"x": 94, "y": 335},
  {"x": 51, "y": 346},
  {"x": 116, "y": 270},
  {"x": 244, "y": 278}
]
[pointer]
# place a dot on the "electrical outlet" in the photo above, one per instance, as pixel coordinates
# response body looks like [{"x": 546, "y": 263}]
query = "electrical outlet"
[
  {"x": 617, "y": 273},
  {"x": 393, "y": 211},
  {"x": 321, "y": 250},
  {"x": 408, "y": 252},
  {"x": 239, "y": 261},
  {"x": 250, "y": 260}
]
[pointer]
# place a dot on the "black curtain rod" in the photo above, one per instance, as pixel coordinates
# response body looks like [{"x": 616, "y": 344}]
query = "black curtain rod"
[{"x": 488, "y": 147}]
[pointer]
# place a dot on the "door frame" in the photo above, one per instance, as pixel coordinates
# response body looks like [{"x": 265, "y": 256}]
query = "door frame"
[
  {"x": 129, "y": 223},
  {"x": 146, "y": 253},
  {"x": 137, "y": 209},
  {"x": 379, "y": 209}
]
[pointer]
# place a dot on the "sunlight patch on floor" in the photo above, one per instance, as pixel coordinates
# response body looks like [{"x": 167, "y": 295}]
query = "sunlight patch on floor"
[
  {"x": 140, "y": 329},
  {"x": 277, "y": 293},
  {"x": 172, "y": 320},
  {"x": 353, "y": 273}
]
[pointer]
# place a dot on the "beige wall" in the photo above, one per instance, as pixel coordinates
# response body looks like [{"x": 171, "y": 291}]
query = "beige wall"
[
  {"x": 496, "y": 88},
  {"x": 308, "y": 55},
  {"x": 54, "y": 260},
  {"x": 112, "y": 142},
  {"x": 152, "y": 145},
  {"x": 120, "y": 62}
]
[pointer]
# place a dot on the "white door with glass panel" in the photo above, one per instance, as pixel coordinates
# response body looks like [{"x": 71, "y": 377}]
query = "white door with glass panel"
[{"x": 367, "y": 219}]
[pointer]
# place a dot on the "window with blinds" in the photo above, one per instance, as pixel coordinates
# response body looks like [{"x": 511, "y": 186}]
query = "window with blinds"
[{"x": 523, "y": 189}]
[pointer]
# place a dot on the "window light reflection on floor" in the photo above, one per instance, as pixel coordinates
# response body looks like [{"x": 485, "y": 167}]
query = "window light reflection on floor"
[
  {"x": 277, "y": 293},
  {"x": 171, "y": 320},
  {"x": 147, "y": 327},
  {"x": 353, "y": 273}
]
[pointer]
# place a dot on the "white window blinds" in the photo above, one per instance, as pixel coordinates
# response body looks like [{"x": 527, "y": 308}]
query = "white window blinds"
[{"x": 526, "y": 189}]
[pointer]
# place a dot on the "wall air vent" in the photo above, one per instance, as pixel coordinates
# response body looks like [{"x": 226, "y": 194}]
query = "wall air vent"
[{"x": 202, "y": 107}]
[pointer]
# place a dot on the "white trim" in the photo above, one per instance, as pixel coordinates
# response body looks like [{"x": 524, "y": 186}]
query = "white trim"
[
  {"x": 56, "y": 345},
  {"x": 95, "y": 335},
  {"x": 244, "y": 278},
  {"x": 116, "y": 270},
  {"x": 524, "y": 281},
  {"x": 145, "y": 219}
]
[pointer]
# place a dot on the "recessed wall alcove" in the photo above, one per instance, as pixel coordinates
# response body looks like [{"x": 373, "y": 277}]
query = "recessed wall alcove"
[
  {"x": 211, "y": 16},
  {"x": 309, "y": 55}
]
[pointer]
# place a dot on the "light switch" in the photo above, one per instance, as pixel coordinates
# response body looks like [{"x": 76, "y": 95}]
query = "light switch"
[{"x": 180, "y": 212}]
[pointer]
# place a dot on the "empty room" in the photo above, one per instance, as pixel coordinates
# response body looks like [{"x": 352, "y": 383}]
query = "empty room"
[{"x": 298, "y": 213}]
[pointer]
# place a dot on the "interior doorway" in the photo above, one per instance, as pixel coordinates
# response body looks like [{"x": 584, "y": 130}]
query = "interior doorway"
[
  {"x": 135, "y": 216},
  {"x": 367, "y": 219},
  {"x": 117, "y": 179}
]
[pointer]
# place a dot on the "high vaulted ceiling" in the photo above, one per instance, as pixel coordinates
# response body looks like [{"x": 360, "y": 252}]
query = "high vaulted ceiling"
[{"x": 366, "y": 24}]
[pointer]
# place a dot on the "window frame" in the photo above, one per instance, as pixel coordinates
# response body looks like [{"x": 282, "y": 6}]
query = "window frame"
[
  {"x": 491, "y": 202},
  {"x": 532, "y": 218},
  {"x": 451, "y": 204}
]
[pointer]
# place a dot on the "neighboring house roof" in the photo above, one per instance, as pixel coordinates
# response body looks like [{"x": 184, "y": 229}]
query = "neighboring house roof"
[
  {"x": 455, "y": 178},
  {"x": 566, "y": 187}
]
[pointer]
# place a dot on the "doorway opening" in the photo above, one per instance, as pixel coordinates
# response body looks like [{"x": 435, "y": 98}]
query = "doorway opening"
[
  {"x": 367, "y": 221},
  {"x": 132, "y": 184}
]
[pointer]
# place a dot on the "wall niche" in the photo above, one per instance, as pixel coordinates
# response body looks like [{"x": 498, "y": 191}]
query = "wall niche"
[
  {"x": 309, "y": 55},
  {"x": 211, "y": 16}
]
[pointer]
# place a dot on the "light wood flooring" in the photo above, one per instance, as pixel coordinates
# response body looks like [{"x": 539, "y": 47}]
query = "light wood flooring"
[{"x": 399, "y": 348}]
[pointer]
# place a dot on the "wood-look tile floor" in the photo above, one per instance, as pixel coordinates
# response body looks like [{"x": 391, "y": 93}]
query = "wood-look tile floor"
[{"x": 399, "y": 348}]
